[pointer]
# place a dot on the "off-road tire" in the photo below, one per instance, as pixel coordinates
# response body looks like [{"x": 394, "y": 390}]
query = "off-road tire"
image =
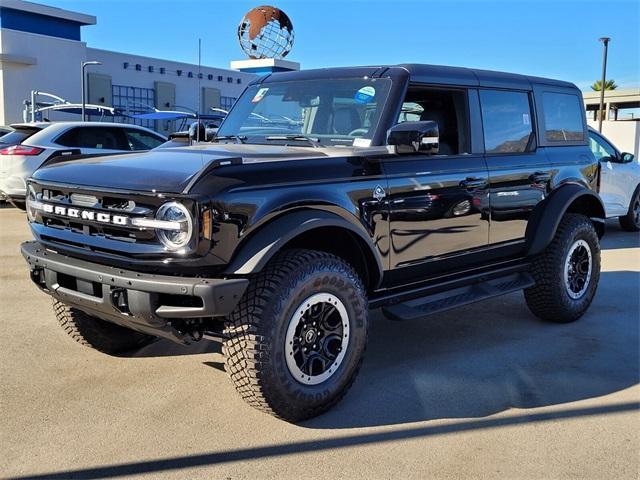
[
  {"x": 549, "y": 299},
  {"x": 92, "y": 332},
  {"x": 254, "y": 350},
  {"x": 631, "y": 221}
]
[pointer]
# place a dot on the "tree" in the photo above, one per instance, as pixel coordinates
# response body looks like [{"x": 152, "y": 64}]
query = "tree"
[{"x": 608, "y": 85}]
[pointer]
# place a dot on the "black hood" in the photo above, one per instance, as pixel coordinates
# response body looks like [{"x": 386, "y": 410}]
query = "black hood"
[{"x": 170, "y": 170}]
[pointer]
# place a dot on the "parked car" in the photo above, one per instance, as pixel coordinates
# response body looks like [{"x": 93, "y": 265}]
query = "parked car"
[
  {"x": 4, "y": 129},
  {"x": 278, "y": 236},
  {"x": 619, "y": 181},
  {"x": 30, "y": 145}
]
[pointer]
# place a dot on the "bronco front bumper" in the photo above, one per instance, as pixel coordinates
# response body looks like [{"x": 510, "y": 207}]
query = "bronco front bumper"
[{"x": 149, "y": 303}]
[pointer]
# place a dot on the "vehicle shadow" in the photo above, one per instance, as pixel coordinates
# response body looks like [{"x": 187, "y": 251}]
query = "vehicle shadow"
[
  {"x": 482, "y": 359},
  {"x": 167, "y": 348},
  {"x": 615, "y": 237}
]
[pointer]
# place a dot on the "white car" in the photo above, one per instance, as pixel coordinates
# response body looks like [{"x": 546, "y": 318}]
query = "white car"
[
  {"x": 29, "y": 145},
  {"x": 619, "y": 181}
]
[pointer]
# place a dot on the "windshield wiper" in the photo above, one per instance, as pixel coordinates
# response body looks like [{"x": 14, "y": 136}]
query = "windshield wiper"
[
  {"x": 296, "y": 137},
  {"x": 237, "y": 138}
]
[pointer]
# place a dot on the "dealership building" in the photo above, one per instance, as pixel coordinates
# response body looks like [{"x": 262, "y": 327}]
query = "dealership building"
[{"x": 41, "y": 49}]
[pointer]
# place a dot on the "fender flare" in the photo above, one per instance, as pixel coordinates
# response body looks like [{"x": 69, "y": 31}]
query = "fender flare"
[
  {"x": 545, "y": 218},
  {"x": 254, "y": 253}
]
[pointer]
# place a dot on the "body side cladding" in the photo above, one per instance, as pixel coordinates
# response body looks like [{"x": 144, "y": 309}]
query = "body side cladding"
[
  {"x": 545, "y": 219},
  {"x": 254, "y": 253}
]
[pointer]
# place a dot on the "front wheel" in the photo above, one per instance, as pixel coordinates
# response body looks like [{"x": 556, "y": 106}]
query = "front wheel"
[
  {"x": 98, "y": 334},
  {"x": 566, "y": 273},
  {"x": 296, "y": 340},
  {"x": 631, "y": 221}
]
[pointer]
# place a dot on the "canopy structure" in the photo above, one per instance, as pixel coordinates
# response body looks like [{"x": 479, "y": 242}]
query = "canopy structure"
[{"x": 37, "y": 110}]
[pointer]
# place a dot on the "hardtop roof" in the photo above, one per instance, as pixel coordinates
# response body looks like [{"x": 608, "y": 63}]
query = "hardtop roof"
[{"x": 424, "y": 73}]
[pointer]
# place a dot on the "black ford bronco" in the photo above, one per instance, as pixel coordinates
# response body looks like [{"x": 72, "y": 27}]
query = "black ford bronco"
[{"x": 325, "y": 194}]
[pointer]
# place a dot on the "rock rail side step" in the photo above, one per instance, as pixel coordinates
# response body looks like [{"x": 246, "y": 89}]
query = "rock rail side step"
[{"x": 421, "y": 307}]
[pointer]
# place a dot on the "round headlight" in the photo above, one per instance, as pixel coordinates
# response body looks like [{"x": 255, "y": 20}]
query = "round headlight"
[
  {"x": 31, "y": 204},
  {"x": 180, "y": 222}
]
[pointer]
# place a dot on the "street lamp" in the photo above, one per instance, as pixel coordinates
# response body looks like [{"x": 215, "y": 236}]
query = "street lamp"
[
  {"x": 605, "y": 41},
  {"x": 84, "y": 65}
]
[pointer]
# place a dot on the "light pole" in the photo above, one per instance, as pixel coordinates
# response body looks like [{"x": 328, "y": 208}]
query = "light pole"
[
  {"x": 84, "y": 65},
  {"x": 605, "y": 41}
]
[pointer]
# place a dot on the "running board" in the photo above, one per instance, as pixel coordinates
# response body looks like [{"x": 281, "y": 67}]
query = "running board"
[{"x": 421, "y": 307}]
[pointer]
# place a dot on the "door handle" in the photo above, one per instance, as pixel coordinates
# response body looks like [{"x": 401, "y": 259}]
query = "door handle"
[
  {"x": 473, "y": 182},
  {"x": 540, "y": 177}
]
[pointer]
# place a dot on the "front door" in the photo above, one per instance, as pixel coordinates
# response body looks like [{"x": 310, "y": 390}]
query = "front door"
[
  {"x": 437, "y": 208},
  {"x": 617, "y": 182},
  {"x": 438, "y": 204}
]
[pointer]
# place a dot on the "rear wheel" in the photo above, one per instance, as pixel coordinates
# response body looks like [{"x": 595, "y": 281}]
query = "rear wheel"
[
  {"x": 296, "y": 340},
  {"x": 566, "y": 273},
  {"x": 95, "y": 333},
  {"x": 631, "y": 221}
]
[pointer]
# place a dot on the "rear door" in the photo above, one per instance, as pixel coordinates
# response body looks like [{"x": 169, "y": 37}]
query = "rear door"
[{"x": 519, "y": 173}]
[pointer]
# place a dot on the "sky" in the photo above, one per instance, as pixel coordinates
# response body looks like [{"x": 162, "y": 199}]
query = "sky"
[{"x": 549, "y": 38}]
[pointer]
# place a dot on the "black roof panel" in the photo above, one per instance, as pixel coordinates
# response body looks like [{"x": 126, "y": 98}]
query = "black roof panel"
[{"x": 423, "y": 73}]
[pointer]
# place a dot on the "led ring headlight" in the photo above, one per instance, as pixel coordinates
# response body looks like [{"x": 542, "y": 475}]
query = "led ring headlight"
[{"x": 174, "y": 214}]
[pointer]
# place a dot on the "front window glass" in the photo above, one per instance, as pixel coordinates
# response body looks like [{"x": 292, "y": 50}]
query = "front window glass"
[
  {"x": 141, "y": 140},
  {"x": 329, "y": 112},
  {"x": 600, "y": 148}
]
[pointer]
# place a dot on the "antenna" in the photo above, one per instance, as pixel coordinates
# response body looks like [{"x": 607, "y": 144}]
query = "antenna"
[{"x": 199, "y": 88}]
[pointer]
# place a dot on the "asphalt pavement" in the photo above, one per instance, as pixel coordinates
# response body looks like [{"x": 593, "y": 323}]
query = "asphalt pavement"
[{"x": 483, "y": 391}]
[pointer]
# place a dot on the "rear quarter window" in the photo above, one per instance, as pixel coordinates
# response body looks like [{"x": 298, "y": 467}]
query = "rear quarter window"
[{"x": 562, "y": 117}]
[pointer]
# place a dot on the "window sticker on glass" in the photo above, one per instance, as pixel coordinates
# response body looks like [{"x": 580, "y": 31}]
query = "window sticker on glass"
[
  {"x": 365, "y": 94},
  {"x": 362, "y": 142},
  {"x": 260, "y": 95},
  {"x": 525, "y": 119}
]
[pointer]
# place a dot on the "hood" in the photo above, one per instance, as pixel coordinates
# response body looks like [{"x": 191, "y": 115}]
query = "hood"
[{"x": 169, "y": 170}]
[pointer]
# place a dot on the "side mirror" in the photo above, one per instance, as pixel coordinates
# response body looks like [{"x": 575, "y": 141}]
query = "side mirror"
[
  {"x": 414, "y": 137},
  {"x": 197, "y": 132},
  {"x": 627, "y": 157}
]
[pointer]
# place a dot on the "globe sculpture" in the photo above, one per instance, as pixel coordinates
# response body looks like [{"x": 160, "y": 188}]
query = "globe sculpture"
[{"x": 266, "y": 32}]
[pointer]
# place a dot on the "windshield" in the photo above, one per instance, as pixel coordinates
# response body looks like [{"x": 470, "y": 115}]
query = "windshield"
[{"x": 326, "y": 112}]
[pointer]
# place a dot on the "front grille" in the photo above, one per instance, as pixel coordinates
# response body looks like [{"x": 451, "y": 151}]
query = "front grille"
[{"x": 91, "y": 230}]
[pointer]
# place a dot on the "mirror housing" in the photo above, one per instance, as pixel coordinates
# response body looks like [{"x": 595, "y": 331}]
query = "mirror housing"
[
  {"x": 626, "y": 157},
  {"x": 415, "y": 137},
  {"x": 197, "y": 131}
]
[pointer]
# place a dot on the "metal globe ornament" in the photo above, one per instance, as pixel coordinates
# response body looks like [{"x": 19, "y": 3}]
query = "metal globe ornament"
[{"x": 266, "y": 32}]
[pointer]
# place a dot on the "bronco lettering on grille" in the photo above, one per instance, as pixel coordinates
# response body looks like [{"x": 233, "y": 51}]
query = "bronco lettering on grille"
[{"x": 85, "y": 214}]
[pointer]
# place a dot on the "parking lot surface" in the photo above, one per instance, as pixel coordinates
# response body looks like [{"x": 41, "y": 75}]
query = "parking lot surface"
[{"x": 477, "y": 392}]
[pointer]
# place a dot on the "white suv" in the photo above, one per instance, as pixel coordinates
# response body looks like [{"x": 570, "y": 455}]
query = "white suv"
[
  {"x": 619, "y": 181},
  {"x": 25, "y": 149}
]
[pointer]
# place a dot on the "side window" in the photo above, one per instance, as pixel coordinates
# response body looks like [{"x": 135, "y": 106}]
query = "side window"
[
  {"x": 600, "y": 148},
  {"x": 506, "y": 119},
  {"x": 411, "y": 112},
  {"x": 562, "y": 117},
  {"x": 107, "y": 138},
  {"x": 448, "y": 108},
  {"x": 141, "y": 140}
]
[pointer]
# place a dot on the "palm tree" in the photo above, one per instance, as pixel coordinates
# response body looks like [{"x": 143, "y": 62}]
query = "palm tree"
[{"x": 608, "y": 85}]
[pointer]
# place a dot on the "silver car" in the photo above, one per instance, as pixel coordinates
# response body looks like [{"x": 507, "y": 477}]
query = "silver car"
[{"x": 29, "y": 145}]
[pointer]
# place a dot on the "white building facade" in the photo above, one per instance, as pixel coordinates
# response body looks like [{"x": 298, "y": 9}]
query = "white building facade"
[{"x": 41, "y": 49}]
